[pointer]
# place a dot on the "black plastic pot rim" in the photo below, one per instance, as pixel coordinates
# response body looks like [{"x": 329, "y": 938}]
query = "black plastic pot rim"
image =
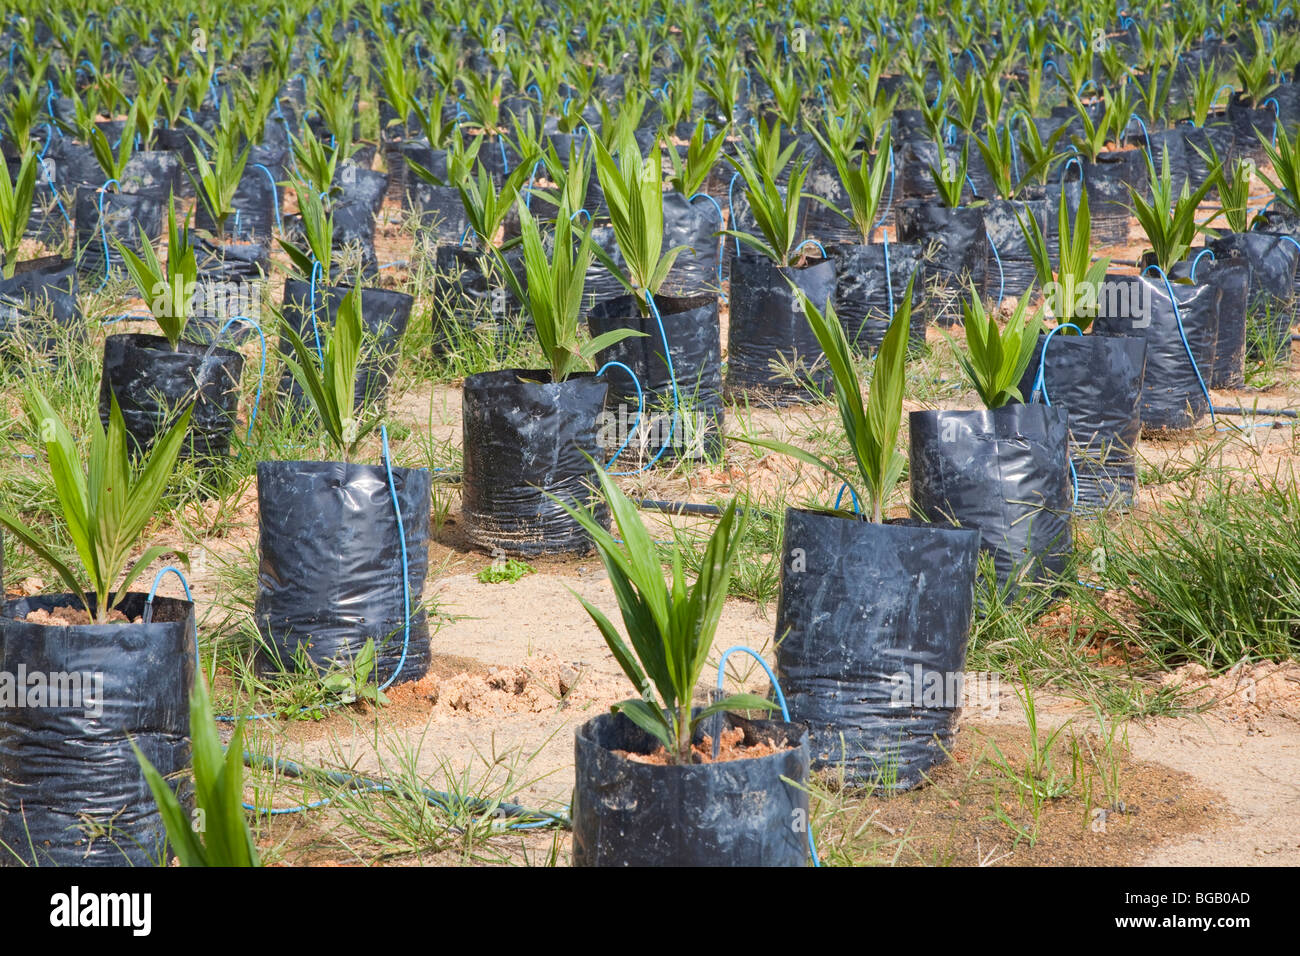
[
  {"x": 796, "y": 734},
  {"x": 909, "y": 524},
  {"x": 67, "y": 599},
  {"x": 158, "y": 343}
]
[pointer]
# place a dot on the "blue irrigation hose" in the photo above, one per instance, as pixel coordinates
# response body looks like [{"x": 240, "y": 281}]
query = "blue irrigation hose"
[
  {"x": 813, "y": 242},
  {"x": 311, "y": 308},
  {"x": 731, "y": 209},
  {"x": 785, "y": 712},
  {"x": 1204, "y": 252},
  {"x": 1040, "y": 388},
  {"x": 857, "y": 508},
  {"x": 406, "y": 582},
  {"x": 889, "y": 275},
  {"x": 722, "y": 239},
  {"x": 103, "y": 233},
  {"x": 1002, "y": 275},
  {"x": 275, "y": 195},
  {"x": 677, "y": 402},
  {"x": 640, "y": 407},
  {"x": 261, "y": 372},
  {"x": 147, "y": 614},
  {"x": 1182, "y": 333}
]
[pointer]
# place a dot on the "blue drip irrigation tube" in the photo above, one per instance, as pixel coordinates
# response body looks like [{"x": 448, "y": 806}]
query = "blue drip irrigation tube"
[
  {"x": 722, "y": 239},
  {"x": 785, "y": 712},
  {"x": 1040, "y": 388},
  {"x": 275, "y": 195},
  {"x": 640, "y": 407},
  {"x": 1182, "y": 333},
  {"x": 103, "y": 233},
  {"x": 853, "y": 495},
  {"x": 261, "y": 371},
  {"x": 1002, "y": 275},
  {"x": 677, "y": 401}
]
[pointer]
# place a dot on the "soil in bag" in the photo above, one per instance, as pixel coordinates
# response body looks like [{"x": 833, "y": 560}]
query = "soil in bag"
[
  {"x": 731, "y": 813},
  {"x": 691, "y": 428},
  {"x": 1098, "y": 380},
  {"x": 772, "y": 354},
  {"x": 867, "y": 294},
  {"x": 1232, "y": 278},
  {"x": 1173, "y": 389},
  {"x": 1004, "y": 472}
]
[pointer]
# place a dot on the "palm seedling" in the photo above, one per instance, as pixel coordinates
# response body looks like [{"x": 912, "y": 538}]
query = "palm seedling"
[
  {"x": 775, "y": 209},
  {"x": 1232, "y": 178},
  {"x": 218, "y": 177},
  {"x": 670, "y": 628},
  {"x": 1284, "y": 157},
  {"x": 318, "y": 235},
  {"x": 689, "y": 172},
  {"x": 871, "y": 430},
  {"x": 862, "y": 174},
  {"x": 1168, "y": 221},
  {"x": 1071, "y": 289},
  {"x": 994, "y": 360},
  {"x": 552, "y": 291},
  {"x": 225, "y": 839},
  {"x": 16, "y": 196},
  {"x": 326, "y": 371},
  {"x": 166, "y": 290},
  {"x": 949, "y": 174},
  {"x": 104, "y": 507},
  {"x": 634, "y": 192}
]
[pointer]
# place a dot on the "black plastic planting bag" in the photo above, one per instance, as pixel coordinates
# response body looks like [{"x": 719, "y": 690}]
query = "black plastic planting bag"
[
  {"x": 695, "y": 226},
  {"x": 355, "y": 211},
  {"x": 1108, "y": 181},
  {"x": 525, "y": 436},
  {"x": 69, "y": 768},
  {"x": 1273, "y": 261},
  {"x": 231, "y": 285},
  {"x": 1252, "y": 126},
  {"x": 867, "y": 294},
  {"x": 1004, "y": 472},
  {"x": 384, "y": 317},
  {"x": 601, "y": 284},
  {"x": 155, "y": 172},
  {"x": 154, "y": 384},
  {"x": 124, "y": 215},
  {"x": 694, "y": 345},
  {"x": 732, "y": 813},
  {"x": 869, "y": 617},
  {"x": 955, "y": 253},
  {"x": 1010, "y": 266},
  {"x": 1172, "y": 392},
  {"x": 471, "y": 293},
  {"x": 38, "y": 307},
  {"x": 1098, "y": 380},
  {"x": 771, "y": 349},
  {"x": 330, "y": 572},
  {"x": 1232, "y": 278}
]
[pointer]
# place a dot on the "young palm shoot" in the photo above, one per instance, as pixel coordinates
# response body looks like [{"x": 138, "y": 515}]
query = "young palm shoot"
[
  {"x": 1071, "y": 289},
  {"x": 328, "y": 374},
  {"x": 863, "y": 176},
  {"x": 552, "y": 291},
  {"x": 166, "y": 290},
  {"x": 104, "y": 506},
  {"x": 16, "y": 208},
  {"x": 670, "y": 627},
  {"x": 995, "y": 360},
  {"x": 634, "y": 192},
  {"x": 318, "y": 234},
  {"x": 225, "y": 839},
  {"x": 218, "y": 178},
  {"x": 872, "y": 430},
  {"x": 702, "y": 152},
  {"x": 1284, "y": 157},
  {"x": 775, "y": 209},
  {"x": 1169, "y": 222}
]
